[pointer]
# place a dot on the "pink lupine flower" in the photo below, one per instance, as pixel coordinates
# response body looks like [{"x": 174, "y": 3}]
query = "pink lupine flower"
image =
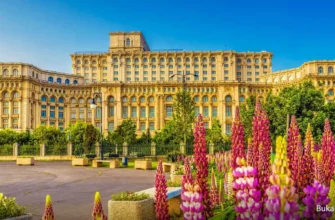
[{"x": 161, "y": 202}]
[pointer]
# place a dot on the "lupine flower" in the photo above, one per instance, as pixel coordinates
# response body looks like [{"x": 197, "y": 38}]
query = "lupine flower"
[
  {"x": 214, "y": 195},
  {"x": 307, "y": 163},
  {"x": 316, "y": 201},
  {"x": 319, "y": 172},
  {"x": 98, "y": 213},
  {"x": 192, "y": 203},
  {"x": 201, "y": 162},
  {"x": 237, "y": 139},
  {"x": 161, "y": 202},
  {"x": 48, "y": 211},
  {"x": 282, "y": 199},
  {"x": 187, "y": 177},
  {"x": 331, "y": 194},
  {"x": 328, "y": 152},
  {"x": 294, "y": 154},
  {"x": 249, "y": 152},
  {"x": 248, "y": 198}
]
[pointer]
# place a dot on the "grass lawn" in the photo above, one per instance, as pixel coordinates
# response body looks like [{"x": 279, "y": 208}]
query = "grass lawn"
[{"x": 131, "y": 165}]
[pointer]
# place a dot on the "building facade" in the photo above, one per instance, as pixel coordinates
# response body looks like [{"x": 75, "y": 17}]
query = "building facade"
[{"x": 137, "y": 83}]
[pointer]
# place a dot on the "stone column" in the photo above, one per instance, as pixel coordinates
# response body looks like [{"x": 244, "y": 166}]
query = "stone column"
[
  {"x": 125, "y": 149},
  {"x": 10, "y": 112},
  {"x": 15, "y": 150},
  {"x": 162, "y": 112},
  {"x": 157, "y": 113},
  {"x": 69, "y": 149},
  {"x": 153, "y": 149},
  {"x": 42, "y": 150},
  {"x": 182, "y": 148},
  {"x": 1, "y": 112},
  {"x": 211, "y": 148}
]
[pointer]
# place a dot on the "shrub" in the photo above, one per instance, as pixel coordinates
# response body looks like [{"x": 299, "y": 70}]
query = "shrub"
[
  {"x": 130, "y": 196},
  {"x": 169, "y": 183},
  {"x": 9, "y": 208}
]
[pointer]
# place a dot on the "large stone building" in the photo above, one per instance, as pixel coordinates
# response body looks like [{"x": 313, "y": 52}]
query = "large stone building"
[{"x": 140, "y": 84}]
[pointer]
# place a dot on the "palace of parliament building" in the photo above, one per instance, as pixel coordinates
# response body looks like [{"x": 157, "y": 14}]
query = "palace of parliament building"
[{"x": 135, "y": 82}]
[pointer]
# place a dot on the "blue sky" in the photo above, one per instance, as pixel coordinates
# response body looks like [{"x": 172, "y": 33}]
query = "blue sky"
[{"x": 45, "y": 32}]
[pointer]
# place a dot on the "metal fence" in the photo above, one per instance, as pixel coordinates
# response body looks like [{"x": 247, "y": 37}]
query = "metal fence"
[
  {"x": 165, "y": 149},
  {"x": 51, "y": 150},
  {"x": 111, "y": 150},
  {"x": 139, "y": 149},
  {"x": 29, "y": 150},
  {"x": 6, "y": 150}
]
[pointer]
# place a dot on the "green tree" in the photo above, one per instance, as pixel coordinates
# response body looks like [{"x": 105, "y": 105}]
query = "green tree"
[
  {"x": 145, "y": 138},
  {"x": 215, "y": 133},
  {"x": 91, "y": 136},
  {"x": 50, "y": 136},
  {"x": 247, "y": 112},
  {"x": 169, "y": 134},
  {"x": 75, "y": 133},
  {"x": 183, "y": 113},
  {"x": 125, "y": 132},
  {"x": 8, "y": 136}
]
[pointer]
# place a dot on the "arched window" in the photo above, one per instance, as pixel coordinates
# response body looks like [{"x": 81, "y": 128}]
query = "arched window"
[
  {"x": 52, "y": 99},
  {"x": 153, "y": 60},
  {"x": 128, "y": 60},
  {"x": 264, "y": 60},
  {"x": 225, "y": 59},
  {"x": 15, "y": 94},
  {"x": 213, "y": 59},
  {"x": 127, "y": 42},
  {"x": 44, "y": 98},
  {"x": 330, "y": 70},
  {"x": 75, "y": 82},
  {"x": 238, "y": 60},
  {"x": 86, "y": 62},
  {"x": 187, "y": 59},
  {"x": 133, "y": 99},
  {"x": 137, "y": 60},
  {"x": 248, "y": 60},
  {"x": 331, "y": 92},
  {"x": 228, "y": 98},
  {"x": 50, "y": 79},
  {"x": 15, "y": 72},
  {"x": 111, "y": 99},
  {"x": 124, "y": 99},
  {"x": 169, "y": 98},
  {"x": 205, "y": 98},
  {"x": 59, "y": 80},
  {"x": 178, "y": 59},
  {"x": 170, "y": 59},
  {"x": 73, "y": 101},
  {"x": 162, "y": 60},
  {"x": 320, "y": 70},
  {"x": 196, "y": 59},
  {"x": 67, "y": 81},
  {"x": 94, "y": 62},
  {"x": 61, "y": 100},
  {"x": 98, "y": 100},
  {"x": 142, "y": 99},
  {"x": 214, "y": 99},
  {"x": 81, "y": 101},
  {"x": 33, "y": 74},
  {"x": 242, "y": 99},
  {"x": 115, "y": 60},
  {"x": 145, "y": 60},
  {"x": 204, "y": 60},
  {"x": 151, "y": 99},
  {"x": 256, "y": 60},
  {"x": 5, "y": 72},
  {"x": 78, "y": 62},
  {"x": 196, "y": 99}
]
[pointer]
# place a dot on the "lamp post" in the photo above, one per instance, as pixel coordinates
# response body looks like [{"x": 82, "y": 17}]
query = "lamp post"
[
  {"x": 184, "y": 89},
  {"x": 94, "y": 106}
]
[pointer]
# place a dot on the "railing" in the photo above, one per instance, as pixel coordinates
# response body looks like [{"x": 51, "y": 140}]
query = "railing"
[
  {"x": 109, "y": 150},
  {"x": 29, "y": 150},
  {"x": 6, "y": 150},
  {"x": 139, "y": 149},
  {"x": 165, "y": 149},
  {"x": 51, "y": 150}
]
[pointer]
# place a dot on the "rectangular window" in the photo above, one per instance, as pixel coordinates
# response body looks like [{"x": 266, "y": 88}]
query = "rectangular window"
[
  {"x": 214, "y": 111},
  {"x": 238, "y": 73},
  {"x": 142, "y": 126},
  {"x": 204, "y": 78},
  {"x": 196, "y": 78},
  {"x": 133, "y": 112},
  {"x": 43, "y": 114},
  {"x": 153, "y": 66},
  {"x": 179, "y": 66},
  {"x": 116, "y": 66},
  {"x": 196, "y": 66},
  {"x": 124, "y": 112},
  {"x": 204, "y": 66},
  {"x": 137, "y": 66},
  {"x": 104, "y": 74},
  {"x": 116, "y": 79},
  {"x": 145, "y": 66},
  {"x": 196, "y": 110},
  {"x": 228, "y": 128},
  {"x": 206, "y": 111},
  {"x": 213, "y": 72},
  {"x": 228, "y": 111},
  {"x": 128, "y": 79},
  {"x": 206, "y": 125},
  {"x": 73, "y": 115},
  {"x": 238, "y": 67},
  {"x": 168, "y": 111},
  {"x": 52, "y": 114},
  {"x": 153, "y": 79},
  {"x": 145, "y": 79},
  {"x": 213, "y": 65},
  {"x": 257, "y": 79},
  {"x": 265, "y": 66},
  {"x": 115, "y": 73},
  {"x": 226, "y": 78},
  {"x": 170, "y": 66},
  {"x": 60, "y": 115},
  {"x": 137, "y": 73},
  {"x": 105, "y": 68},
  {"x": 128, "y": 73},
  {"x": 151, "y": 112},
  {"x": 152, "y": 126},
  {"x": 16, "y": 103},
  {"x": 142, "y": 110},
  {"x": 89, "y": 114},
  {"x": 249, "y": 79},
  {"x": 162, "y": 66},
  {"x": 15, "y": 111},
  {"x": 81, "y": 115},
  {"x": 187, "y": 66},
  {"x": 248, "y": 67},
  {"x": 213, "y": 78},
  {"x": 43, "y": 106},
  {"x": 226, "y": 65},
  {"x": 257, "y": 67},
  {"x": 226, "y": 72},
  {"x": 204, "y": 72},
  {"x": 111, "y": 111},
  {"x": 111, "y": 126},
  {"x": 162, "y": 79},
  {"x": 98, "y": 113},
  {"x": 249, "y": 73},
  {"x": 52, "y": 107},
  {"x": 257, "y": 73},
  {"x": 128, "y": 66},
  {"x": 145, "y": 73}
]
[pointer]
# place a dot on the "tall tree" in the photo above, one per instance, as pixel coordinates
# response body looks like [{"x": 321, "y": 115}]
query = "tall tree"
[
  {"x": 126, "y": 131},
  {"x": 75, "y": 133},
  {"x": 91, "y": 136},
  {"x": 215, "y": 133},
  {"x": 169, "y": 134},
  {"x": 183, "y": 113},
  {"x": 49, "y": 136}
]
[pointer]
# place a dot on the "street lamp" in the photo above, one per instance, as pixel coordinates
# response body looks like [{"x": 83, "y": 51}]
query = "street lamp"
[
  {"x": 184, "y": 88},
  {"x": 93, "y": 105}
]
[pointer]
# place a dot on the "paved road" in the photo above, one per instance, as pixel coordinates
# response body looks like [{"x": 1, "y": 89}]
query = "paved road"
[{"x": 72, "y": 189}]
